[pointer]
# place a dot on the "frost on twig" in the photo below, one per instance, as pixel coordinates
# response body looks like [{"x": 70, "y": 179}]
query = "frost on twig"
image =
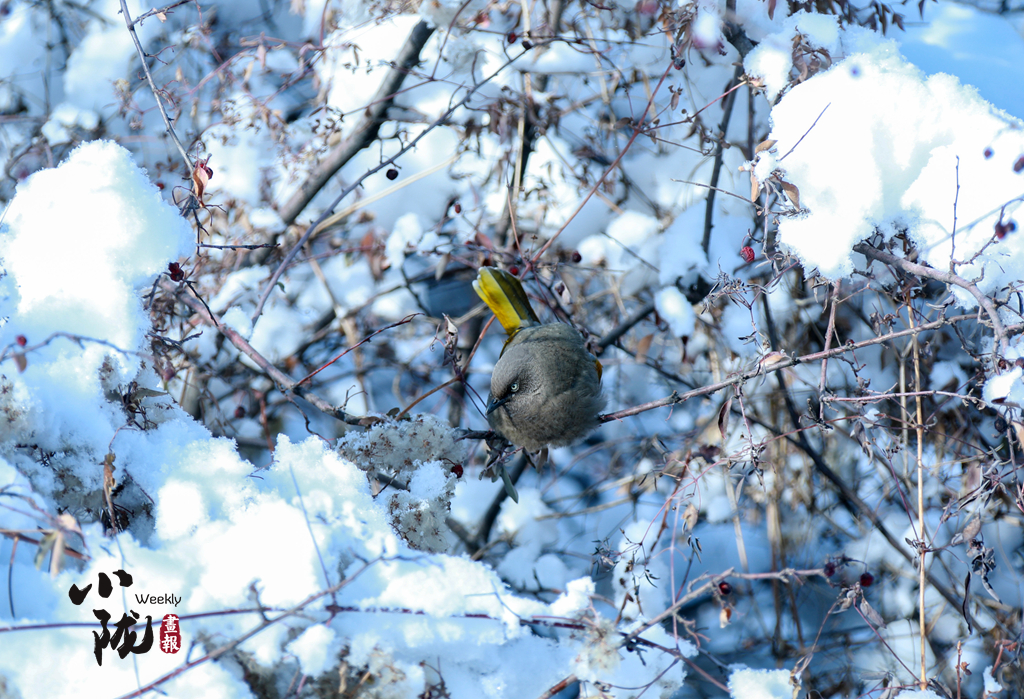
[{"x": 416, "y": 461}]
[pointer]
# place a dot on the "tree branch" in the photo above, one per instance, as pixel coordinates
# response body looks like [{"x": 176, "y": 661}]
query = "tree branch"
[
  {"x": 945, "y": 277},
  {"x": 367, "y": 130}
]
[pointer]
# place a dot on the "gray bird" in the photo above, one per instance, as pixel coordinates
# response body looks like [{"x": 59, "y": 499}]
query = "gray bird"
[{"x": 546, "y": 386}]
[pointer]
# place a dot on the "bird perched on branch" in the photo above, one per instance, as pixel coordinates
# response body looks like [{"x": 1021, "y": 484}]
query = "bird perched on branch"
[{"x": 546, "y": 386}]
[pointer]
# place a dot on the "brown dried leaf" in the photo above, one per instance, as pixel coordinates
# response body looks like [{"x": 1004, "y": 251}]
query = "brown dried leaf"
[
  {"x": 643, "y": 347},
  {"x": 200, "y": 178},
  {"x": 792, "y": 193},
  {"x": 755, "y": 187},
  {"x": 765, "y": 145},
  {"x": 723, "y": 417},
  {"x": 690, "y": 517},
  {"x": 972, "y": 528},
  {"x": 724, "y": 617}
]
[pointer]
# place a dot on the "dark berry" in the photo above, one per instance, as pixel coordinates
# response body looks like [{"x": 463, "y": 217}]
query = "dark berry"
[
  {"x": 392, "y": 174},
  {"x": 867, "y": 579},
  {"x": 725, "y": 588},
  {"x": 457, "y": 470},
  {"x": 177, "y": 274},
  {"x": 988, "y": 153},
  {"x": 1018, "y": 165},
  {"x": 458, "y": 208},
  {"x": 576, "y": 257},
  {"x": 1001, "y": 425},
  {"x": 527, "y": 45},
  {"x": 830, "y": 569},
  {"x": 239, "y": 413}
]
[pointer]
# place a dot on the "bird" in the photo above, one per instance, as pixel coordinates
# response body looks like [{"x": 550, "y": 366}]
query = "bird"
[{"x": 545, "y": 386}]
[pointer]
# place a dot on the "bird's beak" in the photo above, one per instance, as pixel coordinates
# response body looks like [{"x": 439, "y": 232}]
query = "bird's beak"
[{"x": 493, "y": 405}]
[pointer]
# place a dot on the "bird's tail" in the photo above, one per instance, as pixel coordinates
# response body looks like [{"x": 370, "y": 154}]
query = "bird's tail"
[{"x": 504, "y": 295}]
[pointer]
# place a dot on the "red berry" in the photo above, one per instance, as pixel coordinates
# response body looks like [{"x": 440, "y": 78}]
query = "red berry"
[
  {"x": 239, "y": 413},
  {"x": 830, "y": 569},
  {"x": 457, "y": 470},
  {"x": 747, "y": 253},
  {"x": 1019, "y": 164},
  {"x": 177, "y": 274},
  {"x": 511, "y": 38},
  {"x": 988, "y": 153},
  {"x": 576, "y": 256},
  {"x": 867, "y": 579},
  {"x": 392, "y": 174},
  {"x": 21, "y": 340},
  {"x": 725, "y": 588},
  {"x": 458, "y": 208},
  {"x": 514, "y": 271}
]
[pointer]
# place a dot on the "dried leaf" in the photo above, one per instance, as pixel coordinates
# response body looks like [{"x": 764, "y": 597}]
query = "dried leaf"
[
  {"x": 724, "y": 617},
  {"x": 723, "y": 417},
  {"x": 690, "y": 517},
  {"x": 972, "y": 528},
  {"x": 442, "y": 265},
  {"x": 871, "y": 615},
  {"x": 643, "y": 347},
  {"x": 483, "y": 241},
  {"x": 792, "y": 192},
  {"x": 755, "y": 187},
  {"x": 771, "y": 9},
  {"x": 201, "y": 175},
  {"x": 765, "y": 145},
  {"x": 21, "y": 361}
]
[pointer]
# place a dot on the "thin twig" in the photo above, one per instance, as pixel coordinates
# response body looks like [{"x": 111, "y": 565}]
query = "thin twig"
[
  {"x": 231, "y": 645},
  {"x": 945, "y": 277},
  {"x": 152, "y": 86},
  {"x": 163, "y": 10},
  {"x": 785, "y": 363},
  {"x": 272, "y": 282},
  {"x": 284, "y": 383},
  {"x": 716, "y": 171}
]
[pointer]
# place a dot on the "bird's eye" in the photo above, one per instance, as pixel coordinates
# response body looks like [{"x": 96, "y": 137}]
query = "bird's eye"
[{"x": 514, "y": 387}]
